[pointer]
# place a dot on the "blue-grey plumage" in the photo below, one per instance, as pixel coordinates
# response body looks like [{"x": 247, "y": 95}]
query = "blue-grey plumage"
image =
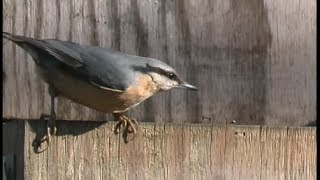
[{"x": 100, "y": 78}]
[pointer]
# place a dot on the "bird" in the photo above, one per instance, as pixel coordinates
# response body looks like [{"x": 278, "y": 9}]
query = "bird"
[{"x": 100, "y": 78}]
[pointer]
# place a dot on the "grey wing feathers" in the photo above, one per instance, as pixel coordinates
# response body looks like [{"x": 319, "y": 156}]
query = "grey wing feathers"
[
  {"x": 94, "y": 68},
  {"x": 59, "y": 53},
  {"x": 64, "y": 55},
  {"x": 77, "y": 60}
]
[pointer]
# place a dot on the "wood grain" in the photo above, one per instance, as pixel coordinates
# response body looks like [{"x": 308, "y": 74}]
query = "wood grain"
[
  {"x": 13, "y": 147},
  {"x": 253, "y": 61},
  {"x": 90, "y": 150}
]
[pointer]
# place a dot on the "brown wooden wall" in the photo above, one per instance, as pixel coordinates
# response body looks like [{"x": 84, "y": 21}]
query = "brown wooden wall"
[
  {"x": 254, "y": 61},
  {"x": 90, "y": 150}
]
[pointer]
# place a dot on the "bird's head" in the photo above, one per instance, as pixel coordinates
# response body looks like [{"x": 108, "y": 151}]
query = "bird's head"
[{"x": 165, "y": 76}]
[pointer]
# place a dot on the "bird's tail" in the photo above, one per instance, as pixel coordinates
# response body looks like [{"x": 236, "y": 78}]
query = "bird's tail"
[
  {"x": 28, "y": 44},
  {"x": 13, "y": 38}
]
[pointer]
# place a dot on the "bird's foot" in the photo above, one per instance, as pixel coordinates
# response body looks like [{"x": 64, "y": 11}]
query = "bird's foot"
[
  {"x": 43, "y": 144},
  {"x": 128, "y": 125}
]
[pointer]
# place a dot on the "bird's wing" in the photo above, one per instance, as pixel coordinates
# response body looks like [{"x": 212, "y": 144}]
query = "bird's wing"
[
  {"x": 64, "y": 55},
  {"x": 99, "y": 70},
  {"x": 94, "y": 68},
  {"x": 61, "y": 54}
]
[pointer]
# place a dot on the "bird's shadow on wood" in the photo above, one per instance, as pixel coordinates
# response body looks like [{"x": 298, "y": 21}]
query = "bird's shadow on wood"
[
  {"x": 74, "y": 128},
  {"x": 312, "y": 124}
]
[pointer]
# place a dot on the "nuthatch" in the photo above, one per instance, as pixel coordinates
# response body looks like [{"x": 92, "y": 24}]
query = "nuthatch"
[{"x": 102, "y": 79}]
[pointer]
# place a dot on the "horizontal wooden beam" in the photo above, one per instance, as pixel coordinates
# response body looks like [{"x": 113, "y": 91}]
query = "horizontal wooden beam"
[{"x": 90, "y": 150}]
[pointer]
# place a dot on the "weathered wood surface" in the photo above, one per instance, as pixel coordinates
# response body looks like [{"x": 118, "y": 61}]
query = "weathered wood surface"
[
  {"x": 13, "y": 147},
  {"x": 90, "y": 150},
  {"x": 253, "y": 61}
]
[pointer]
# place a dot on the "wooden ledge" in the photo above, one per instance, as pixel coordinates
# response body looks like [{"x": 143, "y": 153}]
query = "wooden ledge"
[{"x": 91, "y": 150}]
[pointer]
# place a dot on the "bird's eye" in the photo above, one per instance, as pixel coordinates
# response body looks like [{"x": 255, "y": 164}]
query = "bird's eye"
[{"x": 171, "y": 75}]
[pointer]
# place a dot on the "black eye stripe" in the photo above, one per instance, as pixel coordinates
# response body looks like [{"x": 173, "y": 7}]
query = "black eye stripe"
[
  {"x": 168, "y": 74},
  {"x": 165, "y": 73}
]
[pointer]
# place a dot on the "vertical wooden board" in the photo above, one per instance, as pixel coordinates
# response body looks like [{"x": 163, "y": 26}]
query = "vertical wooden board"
[
  {"x": 13, "y": 140},
  {"x": 78, "y": 157},
  {"x": 301, "y": 154},
  {"x": 70, "y": 143},
  {"x": 34, "y": 83},
  {"x": 115, "y": 167},
  {"x": 218, "y": 149},
  {"x": 173, "y": 148},
  {"x": 137, "y": 156},
  {"x": 100, "y": 148},
  {"x": 105, "y": 147},
  {"x": 88, "y": 157},
  {"x": 243, "y": 153},
  {"x": 150, "y": 152},
  {"x": 65, "y": 154},
  {"x": 53, "y": 159},
  {"x": 311, "y": 154},
  {"x": 43, "y": 164},
  {"x": 198, "y": 143},
  {"x": 103, "y": 27},
  {"x": 81, "y": 153},
  {"x": 34, "y": 164},
  {"x": 13, "y": 80},
  {"x": 274, "y": 143},
  {"x": 289, "y": 47},
  {"x": 214, "y": 45},
  {"x": 231, "y": 169},
  {"x": 27, "y": 170},
  {"x": 159, "y": 165},
  {"x": 96, "y": 160}
]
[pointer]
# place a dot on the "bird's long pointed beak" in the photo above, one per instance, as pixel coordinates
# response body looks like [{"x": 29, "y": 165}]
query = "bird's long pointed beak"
[{"x": 188, "y": 86}]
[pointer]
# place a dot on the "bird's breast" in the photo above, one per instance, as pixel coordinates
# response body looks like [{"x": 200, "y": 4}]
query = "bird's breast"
[
  {"x": 140, "y": 91},
  {"x": 103, "y": 100}
]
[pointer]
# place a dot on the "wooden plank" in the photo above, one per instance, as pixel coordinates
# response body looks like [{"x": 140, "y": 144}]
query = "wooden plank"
[
  {"x": 8, "y": 167},
  {"x": 243, "y": 153},
  {"x": 172, "y": 151},
  {"x": 31, "y": 159},
  {"x": 253, "y": 61},
  {"x": 302, "y": 145},
  {"x": 274, "y": 144},
  {"x": 13, "y": 145}
]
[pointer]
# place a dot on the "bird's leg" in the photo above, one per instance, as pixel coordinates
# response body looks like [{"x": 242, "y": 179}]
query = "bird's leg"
[
  {"x": 51, "y": 124},
  {"x": 127, "y": 123}
]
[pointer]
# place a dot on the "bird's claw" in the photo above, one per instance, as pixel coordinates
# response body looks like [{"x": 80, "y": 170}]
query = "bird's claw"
[
  {"x": 132, "y": 123},
  {"x": 128, "y": 125},
  {"x": 42, "y": 144},
  {"x": 121, "y": 124}
]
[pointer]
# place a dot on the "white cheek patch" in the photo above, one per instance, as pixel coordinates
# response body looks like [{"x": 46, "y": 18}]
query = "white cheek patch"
[{"x": 163, "y": 82}]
